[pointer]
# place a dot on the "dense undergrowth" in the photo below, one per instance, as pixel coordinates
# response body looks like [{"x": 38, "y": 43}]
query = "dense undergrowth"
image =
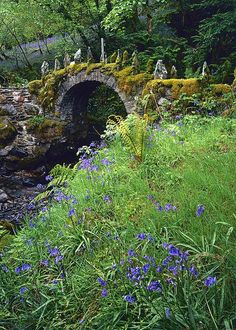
[{"x": 132, "y": 243}]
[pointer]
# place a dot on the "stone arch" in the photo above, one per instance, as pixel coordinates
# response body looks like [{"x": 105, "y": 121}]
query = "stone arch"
[{"x": 74, "y": 94}]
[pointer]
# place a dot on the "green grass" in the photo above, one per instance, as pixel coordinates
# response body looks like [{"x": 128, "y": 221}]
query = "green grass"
[{"x": 187, "y": 166}]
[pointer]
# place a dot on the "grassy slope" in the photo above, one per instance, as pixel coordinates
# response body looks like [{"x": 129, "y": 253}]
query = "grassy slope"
[{"x": 185, "y": 165}]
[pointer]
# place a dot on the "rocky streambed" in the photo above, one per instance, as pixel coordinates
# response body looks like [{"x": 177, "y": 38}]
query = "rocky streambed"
[{"x": 16, "y": 191}]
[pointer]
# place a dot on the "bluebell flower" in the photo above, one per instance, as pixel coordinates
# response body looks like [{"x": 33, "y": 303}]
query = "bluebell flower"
[
  {"x": 200, "y": 210},
  {"x": 131, "y": 253},
  {"x": 107, "y": 199},
  {"x": 48, "y": 178},
  {"x": 116, "y": 237},
  {"x": 44, "y": 262},
  {"x": 171, "y": 281},
  {"x": 210, "y": 281},
  {"x": 71, "y": 213},
  {"x": 25, "y": 267},
  {"x": 193, "y": 271},
  {"x": 53, "y": 251},
  {"x": 167, "y": 312},
  {"x": 173, "y": 251},
  {"x": 141, "y": 236},
  {"x": 154, "y": 286},
  {"x": 22, "y": 268},
  {"x": 23, "y": 290},
  {"x": 130, "y": 299},
  {"x": 105, "y": 162},
  {"x": 173, "y": 270},
  {"x": 146, "y": 268},
  {"x": 40, "y": 187},
  {"x": 159, "y": 269},
  {"x": 150, "y": 197},
  {"x": 104, "y": 293},
  {"x": 102, "y": 282},
  {"x": 57, "y": 259}
]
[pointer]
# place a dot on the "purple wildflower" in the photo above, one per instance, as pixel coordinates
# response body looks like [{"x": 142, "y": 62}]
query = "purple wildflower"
[
  {"x": 131, "y": 253},
  {"x": 154, "y": 286},
  {"x": 53, "y": 252},
  {"x": 168, "y": 312},
  {"x": 25, "y": 267},
  {"x": 57, "y": 259},
  {"x": 168, "y": 207},
  {"x": 48, "y": 178},
  {"x": 106, "y": 162},
  {"x": 107, "y": 199},
  {"x": 193, "y": 271},
  {"x": 130, "y": 299},
  {"x": 44, "y": 262},
  {"x": 200, "y": 210},
  {"x": 71, "y": 213},
  {"x": 141, "y": 236},
  {"x": 23, "y": 290},
  {"x": 210, "y": 281},
  {"x": 146, "y": 268},
  {"x": 104, "y": 293},
  {"x": 173, "y": 251},
  {"x": 102, "y": 282}
]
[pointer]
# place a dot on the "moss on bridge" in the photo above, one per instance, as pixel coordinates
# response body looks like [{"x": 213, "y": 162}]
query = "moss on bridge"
[{"x": 46, "y": 90}]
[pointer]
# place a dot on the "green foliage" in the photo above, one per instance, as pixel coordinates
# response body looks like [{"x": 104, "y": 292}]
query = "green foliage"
[
  {"x": 92, "y": 223},
  {"x": 35, "y": 122},
  {"x": 132, "y": 131}
]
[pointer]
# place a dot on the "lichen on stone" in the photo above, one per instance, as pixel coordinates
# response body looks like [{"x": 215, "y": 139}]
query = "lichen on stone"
[
  {"x": 7, "y": 131},
  {"x": 220, "y": 89}
]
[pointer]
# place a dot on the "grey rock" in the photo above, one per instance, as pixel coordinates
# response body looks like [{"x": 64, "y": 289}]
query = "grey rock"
[
  {"x": 18, "y": 152},
  {"x": 163, "y": 101},
  {"x": 160, "y": 70},
  {"x": 3, "y": 196},
  {"x": 44, "y": 68},
  {"x": 11, "y": 110},
  {"x": 77, "y": 56},
  {"x": 31, "y": 109}
]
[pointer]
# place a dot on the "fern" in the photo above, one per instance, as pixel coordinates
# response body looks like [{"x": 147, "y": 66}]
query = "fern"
[
  {"x": 61, "y": 175},
  {"x": 132, "y": 131}
]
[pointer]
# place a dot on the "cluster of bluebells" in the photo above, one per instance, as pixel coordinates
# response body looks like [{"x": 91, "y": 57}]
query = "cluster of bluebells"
[
  {"x": 145, "y": 273},
  {"x": 55, "y": 253},
  {"x": 166, "y": 208}
]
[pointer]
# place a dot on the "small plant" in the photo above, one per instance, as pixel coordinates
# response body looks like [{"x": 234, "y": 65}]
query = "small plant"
[{"x": 35, "y": 122}]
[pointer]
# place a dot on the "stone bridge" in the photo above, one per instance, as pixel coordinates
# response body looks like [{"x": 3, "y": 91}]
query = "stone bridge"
[
  {"x": 75, "y": 91},
  {"x": 38, "y": 122}
]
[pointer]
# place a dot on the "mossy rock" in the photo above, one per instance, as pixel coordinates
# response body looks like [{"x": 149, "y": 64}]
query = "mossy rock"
[
  {"x": 177, "y": 86},
  {"x": 7, "y": 131},
  {"x": 48, "y": 129},
  {"x": 3, "y": 112},
  {"x": 220, "y": 89},
  {"x": 35, "y": 86},
  {"x": 93, "y": 66}
]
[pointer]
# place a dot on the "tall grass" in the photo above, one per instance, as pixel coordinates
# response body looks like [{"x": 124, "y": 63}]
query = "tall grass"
[{"x": 123, "y": 244}]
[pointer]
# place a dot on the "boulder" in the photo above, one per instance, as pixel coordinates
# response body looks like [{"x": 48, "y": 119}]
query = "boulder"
[
  {"x": 3, "y": 196},
  {"x": 3, "y": 98},
  {"x": 7, "y": 131},
  {"x": 31, "y": 109}
]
